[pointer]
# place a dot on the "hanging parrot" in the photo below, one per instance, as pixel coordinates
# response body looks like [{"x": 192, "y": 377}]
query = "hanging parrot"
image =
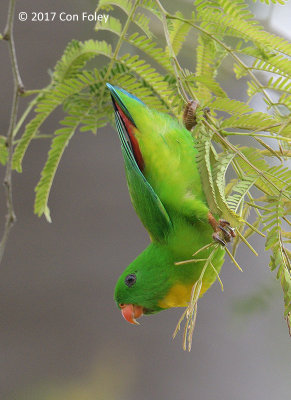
[{"x": 166, "y": 192}]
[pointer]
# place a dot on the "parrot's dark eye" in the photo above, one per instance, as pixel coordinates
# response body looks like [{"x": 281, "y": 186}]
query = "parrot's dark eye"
[{"x": 130, "y": 280}]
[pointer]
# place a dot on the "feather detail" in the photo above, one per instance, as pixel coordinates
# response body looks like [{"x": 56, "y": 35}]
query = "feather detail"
[{"x": 130, "y": 128}]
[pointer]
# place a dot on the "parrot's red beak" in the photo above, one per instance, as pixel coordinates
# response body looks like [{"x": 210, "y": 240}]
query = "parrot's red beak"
[{"x": 130, "y": 312}]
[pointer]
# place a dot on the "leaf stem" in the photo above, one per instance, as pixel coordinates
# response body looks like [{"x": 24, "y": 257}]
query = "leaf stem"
[
  {"x": 118, "y": 46},
  {"x": 254, "y": 135},
  {"x": 232, "y": 258},
  {"x": 25, "y": 113},
  {"x": 246, "y": 242},
  {"x": 174, "y": 60}
]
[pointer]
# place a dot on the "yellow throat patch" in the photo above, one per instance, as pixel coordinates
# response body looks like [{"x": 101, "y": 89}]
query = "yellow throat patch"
[{"x": 179, "y": 296}]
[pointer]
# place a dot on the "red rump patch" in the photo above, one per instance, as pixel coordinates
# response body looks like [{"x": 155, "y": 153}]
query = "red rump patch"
[{"x": 133, "y": 141}]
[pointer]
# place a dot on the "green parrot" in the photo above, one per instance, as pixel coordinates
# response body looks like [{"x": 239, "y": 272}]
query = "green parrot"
[{"x": 166, "y": 192}]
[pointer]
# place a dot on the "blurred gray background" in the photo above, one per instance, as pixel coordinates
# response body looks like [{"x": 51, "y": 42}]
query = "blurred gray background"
[{"x": 61, "y": 335}]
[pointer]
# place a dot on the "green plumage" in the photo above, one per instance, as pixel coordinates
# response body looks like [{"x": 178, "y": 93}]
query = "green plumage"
[{"x": 166, "y": 192}]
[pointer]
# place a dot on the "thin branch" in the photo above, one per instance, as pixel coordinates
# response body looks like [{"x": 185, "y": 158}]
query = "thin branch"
[
  {"x": 39, "y": 136},
  {"x": 232, "y": 258},
  {"x": 17, "y": 91},
  {"x": 246, "y": 242},
  {"x": 254, "y": 135},
  {"x": 118, "y": 46},
  {"x": 174, "y": 60},
  {"x": 8, "y": 36},
  {"x": 286, "y": 220}
]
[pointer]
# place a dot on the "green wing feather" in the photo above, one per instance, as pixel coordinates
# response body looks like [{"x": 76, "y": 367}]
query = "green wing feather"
[{"x": 147, "y": 204}]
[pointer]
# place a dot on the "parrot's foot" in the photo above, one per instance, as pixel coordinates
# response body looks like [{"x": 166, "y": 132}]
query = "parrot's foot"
[
  {"x": 189, "y": 115},
  {"x": 223, "y": 232}
]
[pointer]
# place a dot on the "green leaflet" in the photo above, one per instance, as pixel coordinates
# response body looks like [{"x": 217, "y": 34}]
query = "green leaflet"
[
  {"x": 150, "y": 76},
  {"x": 255, "y": 121},
  {"x": 209, "y": 83},
  {"x": 219, "y": 171},
  {"x": 3, "y": 150},
  {"x": 272, "y": 63},
  {"x": 56, "y": 96},
  {"x": 203, "y": 147},
  {"x": 229, "y": 106},
  {"x": 151, "y": 49},
  {"x": 113, "y": 25},
  {"x": 76, "y": 55},
  {"x": 241, "y": 189},
  {"x": 178, "y": 33},
  {"x": 272, "y": 1},
  {"x": 249, "y": 30},
  {"x": 280, "y": 258},
  {"x": 209, "y": 56},
  {"x": 140, "y": 19},
  {"x": 125, "y": 5},
  {"x": 279, "y": 175},
  {"x": 58, "y": 145},
  {"x": 43, "y": 187}
]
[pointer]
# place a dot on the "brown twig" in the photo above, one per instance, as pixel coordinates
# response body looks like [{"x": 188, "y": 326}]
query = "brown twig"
[
  {"x": 17, "y": 91},
  {"x": 179, "y": 73}
]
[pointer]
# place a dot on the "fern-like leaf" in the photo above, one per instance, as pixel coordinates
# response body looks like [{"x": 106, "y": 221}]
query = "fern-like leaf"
[
  {"x": 203, "y": 147},
  {"x": 208, "y": 82},
  {"x": 254, "y": 121},
  {"x": 58, "y": 145},
  {"x": 249, "y": 30},
  {"x": 150, "y": 48},
  {"x": 209, "y": 57},
  {"x": 219, "y": 171},
  {"x": 76, "y": 55},
  {"x": 272, "y": 1},
  {"x": 112, "y": 24},
  {"x": 142, "y": 21},
  {"x": 107, "y": 5},
  {"x": 280, "y": 259},
  {"x": 230, "y": 106},
  {"x": 56, "y": 96},
  {"x": 150, "y": 76},
  {"x": 240, "y": 189},
  {"x": 178, "y": 33}
]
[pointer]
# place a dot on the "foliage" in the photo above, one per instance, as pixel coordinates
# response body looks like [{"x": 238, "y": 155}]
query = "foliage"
[{"x": 143, "y": 65}]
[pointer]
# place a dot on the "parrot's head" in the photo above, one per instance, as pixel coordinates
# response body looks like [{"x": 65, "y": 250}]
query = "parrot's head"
[{"x": 144, "y": 283}]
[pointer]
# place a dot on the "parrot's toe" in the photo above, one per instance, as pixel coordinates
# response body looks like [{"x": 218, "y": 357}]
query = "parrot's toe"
[
  {"x": 189, "y": 115},
  {"x": 216, "y": 238},
  {"x": 223, "y": 232}
]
